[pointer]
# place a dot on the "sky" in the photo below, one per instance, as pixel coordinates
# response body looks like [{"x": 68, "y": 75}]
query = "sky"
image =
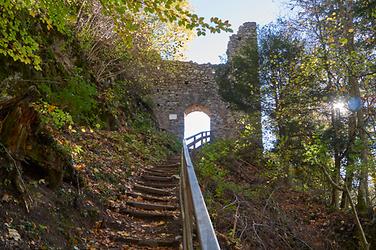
[
  {"x": 208, "y": 48},
  {"x": 196, "y": 122}
]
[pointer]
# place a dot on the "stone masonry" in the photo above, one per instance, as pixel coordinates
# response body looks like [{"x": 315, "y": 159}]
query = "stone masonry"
[
  {"x": 185, "y": 87},
  {"x": 246, "y": 32}
]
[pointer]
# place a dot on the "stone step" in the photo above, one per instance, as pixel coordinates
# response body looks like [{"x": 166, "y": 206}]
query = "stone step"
[
  {"x": 169, "y": 166},
  {"x": 157, "y": 173},
  {"x": 150, "y": 206},
  {"x": 167, "y": 171},
  {"x": 157, "y": 184},
  {"x": 158, "y": 178},
  {"x": 151, "y": 197},
  {"x": 169, "y": 242},
  {"x": 152, "y": 190},
  {"x": 162, "y": 170},
  {"x": 146, "y": 214}
]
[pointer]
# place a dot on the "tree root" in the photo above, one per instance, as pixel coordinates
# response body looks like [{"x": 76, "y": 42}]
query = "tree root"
[{"x": 18, "y": 180}]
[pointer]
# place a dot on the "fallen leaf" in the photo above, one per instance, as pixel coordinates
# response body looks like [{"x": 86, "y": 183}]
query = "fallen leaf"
[
  {"x": 123, "y": 233},
  {"x": 79, "y": 166},
  {"x": 13, "y": 234},
  {"x": 161, "y": 223},
  {"x": 6, "y": 198}
]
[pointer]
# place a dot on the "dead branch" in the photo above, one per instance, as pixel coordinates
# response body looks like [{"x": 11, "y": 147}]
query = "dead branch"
[
  {"x": 18, "y": 181},
  {"x": 267, "y": 201},
  {"x": 244, "y": 229},
  {"x": 258, "y": 237},
  {"x": 236, "y": 220},
  {"x": 232, "y": 203},
  {"x": 353, "y": 208}
]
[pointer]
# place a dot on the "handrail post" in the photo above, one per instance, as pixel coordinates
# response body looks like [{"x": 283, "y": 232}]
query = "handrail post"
[{"x": 198, "y": 140}]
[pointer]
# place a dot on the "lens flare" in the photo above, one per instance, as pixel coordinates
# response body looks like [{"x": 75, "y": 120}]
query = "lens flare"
[
  {"x": 355, "y": 103},
  {"x": 339, "y": 105}
]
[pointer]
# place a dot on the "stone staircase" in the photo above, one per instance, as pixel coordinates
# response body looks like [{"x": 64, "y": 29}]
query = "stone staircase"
[{"x": 152, "y": 205}]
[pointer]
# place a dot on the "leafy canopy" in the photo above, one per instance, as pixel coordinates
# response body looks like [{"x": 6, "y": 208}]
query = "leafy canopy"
[
  {"x": 23, "y": 22},
  {"x": 19, "y": 21}
]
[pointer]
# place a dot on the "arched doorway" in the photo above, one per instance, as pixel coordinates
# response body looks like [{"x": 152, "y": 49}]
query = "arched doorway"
[{"x": 196, "y": 120}]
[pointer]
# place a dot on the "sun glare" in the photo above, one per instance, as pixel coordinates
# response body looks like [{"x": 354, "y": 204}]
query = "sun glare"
[{"x": 340, "y": 105}]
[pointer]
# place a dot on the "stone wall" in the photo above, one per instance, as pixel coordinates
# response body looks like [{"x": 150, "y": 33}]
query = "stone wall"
[
  {"x": 246, "y": 32},
  {"x": 184, "y": 87}
]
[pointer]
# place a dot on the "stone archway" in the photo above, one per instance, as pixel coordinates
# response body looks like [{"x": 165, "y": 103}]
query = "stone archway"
[
  {"x": 187, "y": 86},
  {"x": 192, "y": 87},
  {"x": 197, "y": 107}
]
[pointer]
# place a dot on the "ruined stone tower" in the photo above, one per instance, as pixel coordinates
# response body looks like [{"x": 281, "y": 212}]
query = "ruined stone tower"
[
  {"x": 246, "y": 32},
  {"x": 244, "y": 45},
  {"x": 188, "y": 87}
]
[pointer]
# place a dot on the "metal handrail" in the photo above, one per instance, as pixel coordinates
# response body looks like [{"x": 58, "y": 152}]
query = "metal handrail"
[
  {"x": 194, "y": 211},
  {"x": 201, "y": 138}
]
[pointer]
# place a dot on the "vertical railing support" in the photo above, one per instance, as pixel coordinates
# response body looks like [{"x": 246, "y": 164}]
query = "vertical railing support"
[{"x": 198, "y": 140}]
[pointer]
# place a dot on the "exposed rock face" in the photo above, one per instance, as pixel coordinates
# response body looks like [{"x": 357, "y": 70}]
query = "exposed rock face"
[{"x": 185, "y": 87}]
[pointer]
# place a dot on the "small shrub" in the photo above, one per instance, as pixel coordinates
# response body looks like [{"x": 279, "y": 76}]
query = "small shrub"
[
  {"x": 212, "y": 169},
  {"x": 53, "y": 115},
  {"x": 76, "y": 96}
]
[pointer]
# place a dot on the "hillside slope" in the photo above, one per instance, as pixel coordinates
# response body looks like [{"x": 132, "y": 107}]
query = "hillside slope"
[
  {"x": 81, "y": 216},
  {"x": 252, "y": 207}
]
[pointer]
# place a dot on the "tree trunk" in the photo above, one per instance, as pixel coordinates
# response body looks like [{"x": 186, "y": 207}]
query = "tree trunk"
[
  {"x": 350, "y": 161},
  {"x": 348, "y": 183},
  {"x": 337, "y": 159},
  {"x": 363, "y": 198}
]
